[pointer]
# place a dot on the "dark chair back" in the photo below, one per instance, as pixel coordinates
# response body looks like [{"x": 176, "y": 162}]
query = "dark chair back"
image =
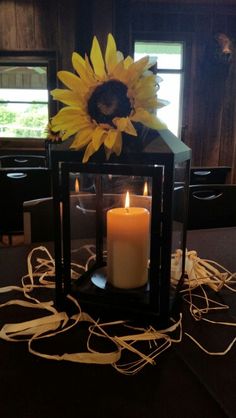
[
  {"x": 16, "y": 186},
  {"x": 212, "y": 206},
  {"x": 209, "y": 175},
  {"x": 22, "y": 160},
  {"x": 39, "y": 220}
]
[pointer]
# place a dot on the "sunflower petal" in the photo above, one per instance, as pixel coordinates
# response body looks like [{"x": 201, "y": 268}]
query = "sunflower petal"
[
  {"x": 120, "y": 56},
  {"x": 78, "y": 62},
  {"x": 108, "y": 152},
  {"x": 80, "y": 67},
  {"x": 162, "y": 103},
  {"x": 118, "y": 144},
  {"x": 136, "y": 69},
  {"x": 66, "y": 96},
  {"x": 97, "y": 59},
  {"x": 128, "y": 61},
  {"x": 110, "y": 53},
  {"x": 111, "y": 138},
  {"x": 125, "y": 125},
  {"x": 147, "y": 119},
  {"x": 71, "y": 81},
  {"x": 67, "y": 114},
  {"x": 82, "y": 139},
  {"x": 147, "y": 80},
  {"x": 88, "y": 152},
  {"x": 69, "y": 121},
  {"x": 98, "y": 137},
  {"x": 151, "y": 105},
  {"x": 89, "y": 68},
  {"x": 119, "y": 72}
]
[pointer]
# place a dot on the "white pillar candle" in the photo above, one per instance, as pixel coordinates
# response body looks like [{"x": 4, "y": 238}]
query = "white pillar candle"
[{"x": 127, "y": 247}]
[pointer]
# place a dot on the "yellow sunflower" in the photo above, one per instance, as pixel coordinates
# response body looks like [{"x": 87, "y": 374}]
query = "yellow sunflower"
[
  {"x": 52, "y": 135},
  {"x": 106, "y": 97}
]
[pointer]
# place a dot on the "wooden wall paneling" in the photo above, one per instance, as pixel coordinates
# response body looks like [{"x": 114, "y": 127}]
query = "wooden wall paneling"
[
  {"x": 195, "y": 113},
  {"x": 102, "y": 20},
  {"x": 208, "y": 113},
  {"x": 214, "y": 3},
  {"x": 122, "y": 26},
  {"x": 84, "y": 26},
  {"x": 25, "y": 25},
  {"x": 231, "y": 24},
  {"x": 208, "y": 117},
  {"x": 7, "y": 25},
  {"x": 46, "y": 24},
  {"x": 213, "y": 109},
  {"x": 219, "y": 23},
  {"x": 228, "y": 125},
  {"x": 233, "y": 171},
  {"x": 204, "y": 23},
  {"x": 94, "y": 18},
  {"x": 66, "y": 39}
]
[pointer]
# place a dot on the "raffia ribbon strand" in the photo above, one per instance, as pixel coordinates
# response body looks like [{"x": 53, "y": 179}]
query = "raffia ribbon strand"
[{"x": 199, "y": 274}]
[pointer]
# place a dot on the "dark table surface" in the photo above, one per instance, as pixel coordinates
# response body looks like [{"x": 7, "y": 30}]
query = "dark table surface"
[{"x": 185, "y": 382}]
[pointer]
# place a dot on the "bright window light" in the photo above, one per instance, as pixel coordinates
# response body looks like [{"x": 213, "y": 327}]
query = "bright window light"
[
  {"x": 23, "y": 102},
  {"x": 169, "y": 58}
]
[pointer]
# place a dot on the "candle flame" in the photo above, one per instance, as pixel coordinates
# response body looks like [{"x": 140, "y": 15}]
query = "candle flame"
[
  {"x": 76, "y": 185},
  {"x": 145, "y": 189},
  {"x": 127, "y": 201}
]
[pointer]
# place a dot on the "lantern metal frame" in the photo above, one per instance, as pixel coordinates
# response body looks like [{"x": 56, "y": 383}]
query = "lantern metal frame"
[{"x": 155, "y": 302}]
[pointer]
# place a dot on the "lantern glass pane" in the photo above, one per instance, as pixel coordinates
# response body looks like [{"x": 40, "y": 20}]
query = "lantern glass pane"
[
  {"x": 179, "y": 207},
  {"x": 92, "y": 196}
]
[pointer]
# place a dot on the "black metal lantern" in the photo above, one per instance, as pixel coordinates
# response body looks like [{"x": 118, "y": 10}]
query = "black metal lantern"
[{"x": 127, "y": 251}]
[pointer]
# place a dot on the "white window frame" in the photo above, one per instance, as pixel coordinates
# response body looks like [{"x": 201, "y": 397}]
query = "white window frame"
[
  {"x": 167, "y": 38},
  {"x": 34, "y": 59}
]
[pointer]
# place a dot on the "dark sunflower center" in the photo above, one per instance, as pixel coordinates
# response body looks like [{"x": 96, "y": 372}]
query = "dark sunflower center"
[{"x": 108, "y": 101}]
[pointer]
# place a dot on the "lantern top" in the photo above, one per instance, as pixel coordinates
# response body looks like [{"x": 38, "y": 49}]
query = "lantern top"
[
  {"x": 166, "y": 145},
  {"x": 153, "y": 147}
]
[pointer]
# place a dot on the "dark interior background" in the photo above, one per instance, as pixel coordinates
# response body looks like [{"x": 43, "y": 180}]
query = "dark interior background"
[{"x": 64, "y": 26}]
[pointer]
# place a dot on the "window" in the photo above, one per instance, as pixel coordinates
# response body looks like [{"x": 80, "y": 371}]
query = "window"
[
  {"x": 24, "y": 97},
  {"x": 169, "y": 56}
]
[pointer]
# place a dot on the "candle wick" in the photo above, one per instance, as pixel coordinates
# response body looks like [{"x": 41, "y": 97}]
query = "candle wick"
[{"x": 127, "y": 210}]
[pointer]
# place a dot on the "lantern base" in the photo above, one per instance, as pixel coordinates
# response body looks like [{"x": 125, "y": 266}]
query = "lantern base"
[
  {"x": 100, "y": 299},
  {"x": 99, "y": 279},
  {"x": 94, "y": 286}
]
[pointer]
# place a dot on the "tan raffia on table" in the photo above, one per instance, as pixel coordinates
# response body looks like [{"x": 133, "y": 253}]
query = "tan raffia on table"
[{"x": 199, "y": 274}]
